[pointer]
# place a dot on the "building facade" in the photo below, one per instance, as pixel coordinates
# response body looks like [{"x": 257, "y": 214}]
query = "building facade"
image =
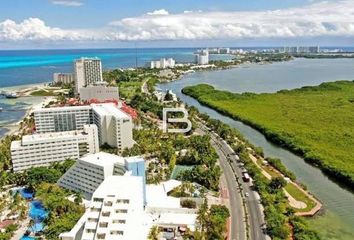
[
  {"x": 64, "y": 78},
  {"x": 99, "y": 92},
  {"x": 91, "y": 170},
  {"x": 202, "y": 57},
  {"x": 301, "y": 49},
  {"x": 43, "y": 149},
  {"x": 115, "y": 127},
  {"x": 163, "y": 63},
  {"x": 114, "y": 213},
  {"x": 88, "y": 71},
  {"x": 60, "y": 119}
]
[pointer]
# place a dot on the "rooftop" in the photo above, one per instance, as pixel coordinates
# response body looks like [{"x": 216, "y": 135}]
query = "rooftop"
[
  {"x": 43, "y": 137},
  {"x": 103, "y": 159},
  {"x": 65, "y": 108},
  {"x": 126, "y": 187},
  {"x": 109, "y": 109}
]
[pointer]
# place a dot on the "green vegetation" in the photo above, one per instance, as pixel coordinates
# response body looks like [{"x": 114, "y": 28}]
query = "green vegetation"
[
  {"x": 44, "y": 93},
  {"x": 277, "y": 164},
  {"x": 188, "y": 203},
  {"x": 302, "y": 231},
  {"x": 300, "y": 196},
  {"x": 315, "y": 122},
  {"x": 63, "y": 214},
  {"x": 131, "y": 81},
  {"x": 8, "y": 232},
  {"x": 212, "y": 223},
  {"x": 279, "y": 215}
]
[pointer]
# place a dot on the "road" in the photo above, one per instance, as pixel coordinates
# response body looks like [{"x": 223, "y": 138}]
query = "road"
[{"x": 232, "y": 171}]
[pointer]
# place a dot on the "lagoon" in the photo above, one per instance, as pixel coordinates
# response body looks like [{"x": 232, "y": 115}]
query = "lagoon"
[{"x": 338, "y": 219}]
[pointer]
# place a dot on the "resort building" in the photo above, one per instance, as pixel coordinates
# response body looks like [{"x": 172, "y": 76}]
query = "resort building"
[
  {"x": 202, "y": 57},
  {"x": 116, "y": 212},
  {"x": 163, "y": 63},
  {"x": 64, "y": 78},
  {"x": 60, "y": 119},
  {"x": 115, "y": 127},
  {"x": 117, "y": 206},
  {"x": 301, "y": 49},
  {"x": 43, "y": 149},
  {"x": 91, "y": 170},
  {"x": 100, "y": 92},
  {"x": 87, "y": 72}
]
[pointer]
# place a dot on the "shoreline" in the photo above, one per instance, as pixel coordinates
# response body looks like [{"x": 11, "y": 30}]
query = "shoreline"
[{"x": 13, "y": 127}]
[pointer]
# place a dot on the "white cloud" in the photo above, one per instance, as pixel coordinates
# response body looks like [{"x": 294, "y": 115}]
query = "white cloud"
[
  {"x": 33, "y": 29},
  {"x": 319, "y": 19},
  {"x": 158, "y": 12},
  {"x": 68, "y": 3},
  {"x": 324, "y": 19}
]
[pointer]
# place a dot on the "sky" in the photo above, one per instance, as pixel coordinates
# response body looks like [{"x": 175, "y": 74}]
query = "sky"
[{"x": 27, "y": 24}]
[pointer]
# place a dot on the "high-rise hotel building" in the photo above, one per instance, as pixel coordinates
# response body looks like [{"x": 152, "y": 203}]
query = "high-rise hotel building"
[
  {"x": 43, "y": 149},
  {"x": 91, "y": 170},
  {"x": 115, "y": 127},
  {"x": 88, "y": 71},
  {"x": 60, "y": 119}
]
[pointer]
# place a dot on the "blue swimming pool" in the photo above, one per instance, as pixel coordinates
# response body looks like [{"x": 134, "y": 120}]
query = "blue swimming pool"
[
  {"x": 28, "y": 238},
  {"x": 38, "y": 214},
  {"x": 26, "y": 193}
]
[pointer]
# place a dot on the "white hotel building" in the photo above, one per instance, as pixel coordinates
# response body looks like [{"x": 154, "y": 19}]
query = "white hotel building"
[
  {"x": 42, "y": 149},
  {"x": 100, "y": 92},
  {"x": 88, "y": 71},
  {"x": 202, "y": 57},
  {"x": 64, "y": 78},
  {"x": 163, "y": 63},
  {"x": 91, "y": 170},
  {"x": 116, "y": 212},
  {"x": 115, "y": 127},
  {"x": 60, "y": 119}
]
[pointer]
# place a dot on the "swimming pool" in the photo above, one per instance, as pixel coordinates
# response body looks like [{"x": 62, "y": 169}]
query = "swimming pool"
[
  {"x": 28, "y": 238},
  {"x": 37, "y": 211}
]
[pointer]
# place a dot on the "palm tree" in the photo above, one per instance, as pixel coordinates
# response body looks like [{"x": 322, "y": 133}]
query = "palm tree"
[{"x": 154, "y": 233}]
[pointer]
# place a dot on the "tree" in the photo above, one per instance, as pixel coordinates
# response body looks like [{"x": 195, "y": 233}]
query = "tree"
[
  {"x": 38, "y": 175},
  {"x": 277, "y": 183},
  {"x": 188, "y": 203},
  {"x": 154, "y": 233}
]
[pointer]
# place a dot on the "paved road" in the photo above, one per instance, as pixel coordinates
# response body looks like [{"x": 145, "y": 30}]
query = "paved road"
[{"x": 232, "y": 170}]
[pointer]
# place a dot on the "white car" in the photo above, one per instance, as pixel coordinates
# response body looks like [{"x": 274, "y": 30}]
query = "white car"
[{"x": 247, "y": 194}]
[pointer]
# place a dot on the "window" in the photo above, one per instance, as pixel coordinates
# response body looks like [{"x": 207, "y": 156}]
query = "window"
[
  {"x": 117, "y": 232},
  {"x": 106, "y": 214},
  {"x": 121, "y": 211},
  {"x": 101, "y": 236},
  {"x": 103, "y": 224}
]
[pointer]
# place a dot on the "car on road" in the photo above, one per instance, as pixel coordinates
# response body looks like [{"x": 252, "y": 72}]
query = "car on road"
[{"x": 247, "y": 194}]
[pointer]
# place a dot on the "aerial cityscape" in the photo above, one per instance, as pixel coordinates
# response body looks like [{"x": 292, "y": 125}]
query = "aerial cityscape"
[{"x": 161, "y": 120}]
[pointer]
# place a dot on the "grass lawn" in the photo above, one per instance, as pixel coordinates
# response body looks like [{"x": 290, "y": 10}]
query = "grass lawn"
[
  {"x": 128, "y": 89},
  {"x": 316, "y": 122},
  {"x": 178, "y": 169},
  {"x": 269, "y": 169},
  {"x": 43, "y": 93},
  {"x": 300, "y": 196}
]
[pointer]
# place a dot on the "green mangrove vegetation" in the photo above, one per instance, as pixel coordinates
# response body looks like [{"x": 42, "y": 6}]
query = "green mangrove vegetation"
[{"x": 314, "y": 122}]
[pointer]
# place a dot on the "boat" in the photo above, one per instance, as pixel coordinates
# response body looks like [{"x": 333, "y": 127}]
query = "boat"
[{"x": 11, "y": 95}]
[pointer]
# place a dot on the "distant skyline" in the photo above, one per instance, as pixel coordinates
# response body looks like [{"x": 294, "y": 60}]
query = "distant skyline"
[{"x": 33, "y": 24}]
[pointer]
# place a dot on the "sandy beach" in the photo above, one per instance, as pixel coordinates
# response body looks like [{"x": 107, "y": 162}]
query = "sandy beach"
[{"x": 10, "y": 124}]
